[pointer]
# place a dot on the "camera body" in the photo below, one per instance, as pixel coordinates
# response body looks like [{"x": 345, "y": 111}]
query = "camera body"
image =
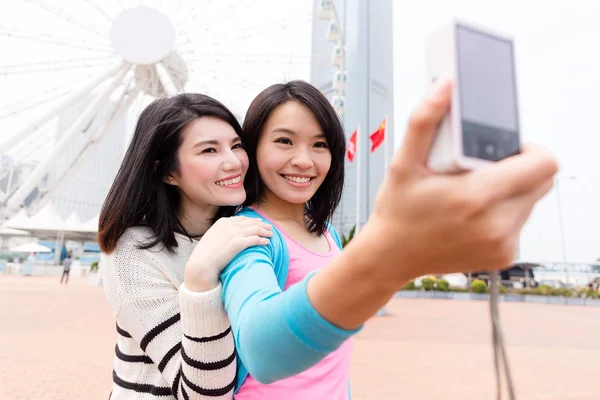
[{"x": 482, "y": 125}]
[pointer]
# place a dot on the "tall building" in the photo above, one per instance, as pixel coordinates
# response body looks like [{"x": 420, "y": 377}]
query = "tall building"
[{"x": 366, "y": 27}]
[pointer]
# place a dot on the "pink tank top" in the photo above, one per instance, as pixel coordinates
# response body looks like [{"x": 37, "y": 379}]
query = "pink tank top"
[{"x": 329, "y": 379}]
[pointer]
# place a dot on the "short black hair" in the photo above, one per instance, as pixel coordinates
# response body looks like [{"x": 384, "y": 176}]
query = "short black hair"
[
  {"x": 139, "y": 196},
  {"x": 321, "y": 206}
]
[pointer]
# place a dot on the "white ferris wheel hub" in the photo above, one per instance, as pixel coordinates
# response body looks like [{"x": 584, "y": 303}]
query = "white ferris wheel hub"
[{"x": 142, "y": 35}]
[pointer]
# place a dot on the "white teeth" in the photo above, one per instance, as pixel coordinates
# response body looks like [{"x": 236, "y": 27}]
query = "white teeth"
[
  {"x": 297, "y": 179},
  {"x": 229, "y": 182}
]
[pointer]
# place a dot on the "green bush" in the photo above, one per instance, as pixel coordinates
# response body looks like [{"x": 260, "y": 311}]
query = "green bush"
[
  {"x": 590, "y": 294},
  {"x": 94, "y": 266},
  {"x": 479, "y": 286},
  {"x": 526, "y": 291},
  {"x": 410, "y": 286},
  {"x": 545, "y": 290},
  {"x": 564, "y": 292},
  {"x": 459, "y": 289},
  {"x": 443, "y": 285},
  {"x": 428, "y": 283}
]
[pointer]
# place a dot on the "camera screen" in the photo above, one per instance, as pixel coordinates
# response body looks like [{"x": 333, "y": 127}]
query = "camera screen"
[{"x": 487, "y": 88}]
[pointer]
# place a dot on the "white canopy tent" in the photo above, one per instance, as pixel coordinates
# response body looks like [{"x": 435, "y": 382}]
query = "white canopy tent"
[
  {"x": 32, "y": 247},
  {"x": 48, "y": 225}
]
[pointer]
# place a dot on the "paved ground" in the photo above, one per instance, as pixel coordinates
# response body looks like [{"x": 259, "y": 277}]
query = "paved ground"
[{"x": 56, "y": 342}]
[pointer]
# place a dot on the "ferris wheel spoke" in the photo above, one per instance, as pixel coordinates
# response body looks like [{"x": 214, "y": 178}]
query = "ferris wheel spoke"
[
  {"x": 41, "y": 70},
  {"x": 116, "y": 112},
  {"x": 24, "y": 107},
  {"x": 216, "y": 74},
  {"x": 49, "y": 65},
  {"x": 61, "y": 14},
  {"x": 219, "y": 17},
  {"x": 51, "y": 114},
  {"x": 99, "y": 10},
  {"x": 17, "y": 198},
  {"x": 169, "y": 84},
  {"x": 241, "y": 32},
  {"x": 38, "y": 98},
  {"x": 52, "y": 39},
  {"x": 251, "y": 58},
  {"x": 29, "y": 147}
]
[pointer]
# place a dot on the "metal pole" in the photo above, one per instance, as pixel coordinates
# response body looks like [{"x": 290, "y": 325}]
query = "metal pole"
[
  {"x": 44, "y": 118},
  {"x": 16, "y": 200},
  {"x": 562, "y": 232}
]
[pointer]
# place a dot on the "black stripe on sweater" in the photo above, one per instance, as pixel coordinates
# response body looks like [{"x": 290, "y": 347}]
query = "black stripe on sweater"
[
  {"x": 132, "y": 359},
  {"x": 207, "y": 366},
  {"x": 210, "y": 338},
  {"x": 154, "y": 332},
  {"x": 122, "y": 332},
  {"x": 185, "y": 395},
  {"x": 168, "y": 356},
  {"x": 208, "y": 392},
  {"x": 141, "y": 387},
  {"x": 175, "y": 387}
]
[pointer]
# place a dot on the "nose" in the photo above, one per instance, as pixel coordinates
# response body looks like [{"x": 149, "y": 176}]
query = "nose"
[
  {"x": 302, "y": 159},
  {"x": 231, "y": 162}
]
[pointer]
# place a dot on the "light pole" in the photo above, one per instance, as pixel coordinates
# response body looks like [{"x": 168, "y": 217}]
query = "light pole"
[{"x": 561, "y": 225}]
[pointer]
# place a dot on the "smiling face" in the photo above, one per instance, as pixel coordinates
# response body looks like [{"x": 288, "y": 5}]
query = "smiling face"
[
  {"x": 212, "y": 164},
  {"x": 293, "y": 156}
]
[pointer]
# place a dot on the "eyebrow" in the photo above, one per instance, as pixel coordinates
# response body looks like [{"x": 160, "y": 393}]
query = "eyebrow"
[
  {"x": 291, "y": 132},
  {"x": 214, "y": 142}
]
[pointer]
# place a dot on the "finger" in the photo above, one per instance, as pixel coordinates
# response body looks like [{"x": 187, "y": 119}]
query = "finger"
[
  {"x": 250, "y": 241},
  {"x": 507, "y": 217},
  {"x": 423, "y": 125},
  {"x": 256, "y": 230},
  {"x": 528, "y": 202},
  {"x": 523, "y": 173}
]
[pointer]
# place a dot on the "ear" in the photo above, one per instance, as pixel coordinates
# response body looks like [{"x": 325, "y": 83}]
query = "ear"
[{"x": 170, "y": 179}]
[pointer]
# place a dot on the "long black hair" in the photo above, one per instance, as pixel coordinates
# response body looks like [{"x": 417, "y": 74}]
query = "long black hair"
[
  {"x": 321, "y": 206},
  {"x": 139, "y": 195}
]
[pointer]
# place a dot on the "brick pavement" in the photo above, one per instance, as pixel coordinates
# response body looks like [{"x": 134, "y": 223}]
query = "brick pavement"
[{"x": 57, "y": 342}]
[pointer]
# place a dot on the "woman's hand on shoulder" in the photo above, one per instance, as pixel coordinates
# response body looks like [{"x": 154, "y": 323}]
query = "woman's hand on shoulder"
[{"x": 219, "y": 245}]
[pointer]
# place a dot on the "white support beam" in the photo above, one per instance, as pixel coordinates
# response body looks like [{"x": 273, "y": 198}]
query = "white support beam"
[
  {"x": 166, "y": 79},
  {"x": 18, "y": 197},
  {"x": 16, "y": 138},
  {"x": 115, "y": 114}
]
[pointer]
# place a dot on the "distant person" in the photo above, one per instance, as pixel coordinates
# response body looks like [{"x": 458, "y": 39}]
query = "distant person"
[
  {"x": 28, "y": 265},
  {"x": 66, "y": 269}
]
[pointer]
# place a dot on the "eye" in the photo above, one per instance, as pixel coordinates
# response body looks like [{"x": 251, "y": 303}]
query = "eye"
[
  {"x": 321, "y": 145},
  {"x": 283, "y": 140},
  {"x": 209, "y": 150},
  {"x": 237, "y": 146}
]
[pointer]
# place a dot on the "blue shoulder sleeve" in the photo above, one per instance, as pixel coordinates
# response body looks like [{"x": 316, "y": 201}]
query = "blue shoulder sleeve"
[
  {"x": 277, "y": 334},
  {"x": 334, "y": 235}
]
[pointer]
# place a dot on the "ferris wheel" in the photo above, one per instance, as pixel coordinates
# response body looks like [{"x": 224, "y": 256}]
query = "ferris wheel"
[{"x": 70, "y": 71}]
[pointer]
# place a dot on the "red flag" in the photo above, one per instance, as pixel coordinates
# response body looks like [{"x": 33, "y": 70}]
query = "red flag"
[
  {"x": 377, "y": 137},
  {"x": 351, "y": 150}
]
